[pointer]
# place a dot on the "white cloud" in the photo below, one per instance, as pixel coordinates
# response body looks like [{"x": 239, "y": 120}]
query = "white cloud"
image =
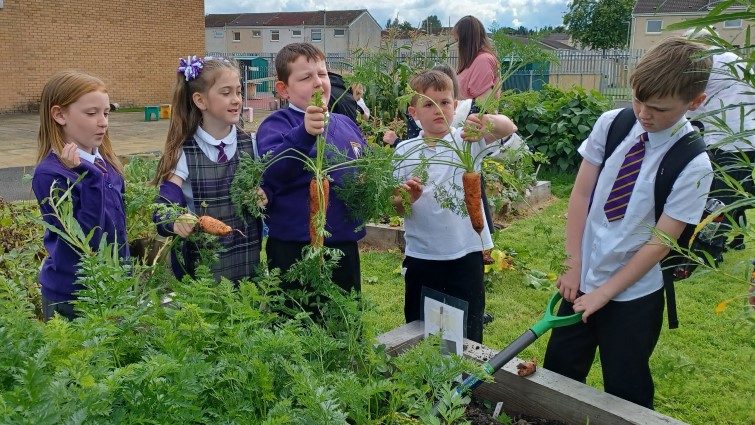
[{"x": 529, "y": 13}]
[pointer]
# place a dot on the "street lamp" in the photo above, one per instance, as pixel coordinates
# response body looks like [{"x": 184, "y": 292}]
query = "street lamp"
[{"x": 324, "y": 30}]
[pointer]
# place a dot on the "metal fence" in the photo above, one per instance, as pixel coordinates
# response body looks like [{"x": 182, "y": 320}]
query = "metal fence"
[{"x": 604, "y": 71}]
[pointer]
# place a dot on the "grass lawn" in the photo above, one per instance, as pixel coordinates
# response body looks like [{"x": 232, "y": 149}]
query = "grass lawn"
[{"x": 703, "y": 371}]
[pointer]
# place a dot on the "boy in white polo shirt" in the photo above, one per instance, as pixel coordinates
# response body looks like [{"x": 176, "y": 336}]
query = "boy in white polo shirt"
[
  {"x": 443, "y": 251},
  {"x": 615, "y": 278}
]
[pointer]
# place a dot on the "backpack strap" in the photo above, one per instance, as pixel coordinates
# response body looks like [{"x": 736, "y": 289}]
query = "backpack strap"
[
  {"x": 672, "y": 164},
  {"x": 620, "y": 127}
]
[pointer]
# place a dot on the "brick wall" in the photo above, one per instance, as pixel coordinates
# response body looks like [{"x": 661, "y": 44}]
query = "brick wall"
[{"x": 132, "y": 45}]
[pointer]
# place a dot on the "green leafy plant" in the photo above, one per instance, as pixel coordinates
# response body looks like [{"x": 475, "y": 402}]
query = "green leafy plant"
[
  {"x": 140, "y": 196},
  {"x": 557, "y": 122}
]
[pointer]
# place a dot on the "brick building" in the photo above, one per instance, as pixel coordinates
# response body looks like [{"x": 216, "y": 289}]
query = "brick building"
[{"x": 133, "y": 46}]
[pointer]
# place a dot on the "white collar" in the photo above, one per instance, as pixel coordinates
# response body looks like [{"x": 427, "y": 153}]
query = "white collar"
[
  {"x": 674, "y": 132},
  {"x": 229, "y": 139},
  {"x": 89, "y": 156}
]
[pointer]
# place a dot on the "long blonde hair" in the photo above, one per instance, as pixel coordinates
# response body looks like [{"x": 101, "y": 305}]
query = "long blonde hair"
[
  {"x": 185, "y": 116},
  {"x": 63, "y": 89}
]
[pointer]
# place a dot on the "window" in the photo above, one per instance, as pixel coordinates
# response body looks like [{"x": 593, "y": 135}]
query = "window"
[
  {"x": 316, "y": 35},
  {"x": 256, "y": 33},
  {"x": 218, "y": 34},
  {"x": 339, "y": 32},
  {"x": 733, "y": 23},
  {"x": 275, "y": 35},
  {"x": 653, "y": 27},
  {"x": 236, "y": 36},
  {"x": 296, "y": 33}
]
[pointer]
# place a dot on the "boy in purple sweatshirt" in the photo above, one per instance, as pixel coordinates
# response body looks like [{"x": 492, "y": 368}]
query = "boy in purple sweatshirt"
[{"x": 301, "y": 71}]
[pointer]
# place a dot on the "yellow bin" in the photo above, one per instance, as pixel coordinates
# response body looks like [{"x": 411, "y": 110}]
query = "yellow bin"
[{"x": 164, "y": 111}]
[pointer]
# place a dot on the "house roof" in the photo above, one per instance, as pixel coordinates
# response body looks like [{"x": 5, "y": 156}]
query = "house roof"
[
  {"x": 251, "y": 19},
  {"x": 671, "y": 6},
  {"x": 285, "y": 19},
  {"x": 219, "y": 20}
]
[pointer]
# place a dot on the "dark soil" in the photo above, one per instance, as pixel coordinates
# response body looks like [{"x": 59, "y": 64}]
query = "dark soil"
[{"x": 479, "y": 415}]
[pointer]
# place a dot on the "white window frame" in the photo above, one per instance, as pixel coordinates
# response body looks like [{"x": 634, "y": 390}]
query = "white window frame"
[
  {"x": 319, "y": 34},
  {"x": 256, "y": 33},
  {"x": 733, "y": 23},
  {"x": 275, "y": 35},
  {"x": 296, "y": 34},
  {"x": 336, "y": 30},
  {"x": 218, "y": 34},
  {"x": 647, "y": 25},
  {"x": 236, "y": 36}
]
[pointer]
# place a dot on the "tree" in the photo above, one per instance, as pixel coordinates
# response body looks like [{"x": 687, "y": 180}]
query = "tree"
[
  {"x": 599, "y": 24},
  {"x": 430, "y": 23}
]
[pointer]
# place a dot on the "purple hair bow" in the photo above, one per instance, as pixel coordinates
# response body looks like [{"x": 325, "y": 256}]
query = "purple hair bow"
[{"x": 190, "y": 67}]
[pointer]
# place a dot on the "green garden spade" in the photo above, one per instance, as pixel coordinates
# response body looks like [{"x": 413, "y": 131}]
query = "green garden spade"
[{"x": 548, "y": 322}]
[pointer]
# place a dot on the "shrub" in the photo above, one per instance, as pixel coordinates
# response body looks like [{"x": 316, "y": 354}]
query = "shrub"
[{"x": 555, "y": 122}]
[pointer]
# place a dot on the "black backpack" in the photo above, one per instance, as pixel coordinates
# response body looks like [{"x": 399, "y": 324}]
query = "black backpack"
[
  {"x": 674, "y": 266},
  {"x": 341, "y": 100}
]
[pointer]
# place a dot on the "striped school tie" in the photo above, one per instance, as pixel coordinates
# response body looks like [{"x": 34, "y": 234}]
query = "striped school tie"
[
  {"x": 222, "y": 158},
  {"x": 616, "y": 206},
  {"x": 100, "y": 163}
]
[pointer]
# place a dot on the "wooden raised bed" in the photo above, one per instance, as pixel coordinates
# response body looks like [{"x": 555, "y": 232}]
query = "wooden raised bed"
[
  {"x": 544, "y": 394},
  {"x": 384, "y": 236}
]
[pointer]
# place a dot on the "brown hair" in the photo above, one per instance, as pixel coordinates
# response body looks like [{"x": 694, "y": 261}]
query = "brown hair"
[
  {"x": 63, "y": 89},
  {"x": 446, "y": 69},
  {"x": 185, "y": 117},
  {"x": 290, "y": 53},
  {"x": 673, "y": 67},
  {"x": 425, "y": 80},
  {"x": 471, "y": 39}
]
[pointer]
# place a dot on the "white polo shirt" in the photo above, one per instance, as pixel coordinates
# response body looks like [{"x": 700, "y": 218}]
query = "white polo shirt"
[
  {"x": 607, "y": 246},
  {"x": 724, "y": 90},
  {"x": 433, "y": 232}
]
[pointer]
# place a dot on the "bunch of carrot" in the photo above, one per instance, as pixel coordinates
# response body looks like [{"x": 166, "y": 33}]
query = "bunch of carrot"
[
  {"x": 213, "y": 226},
  {"x": 473, "y": 199},
  {"x": 317, "y": 208}
]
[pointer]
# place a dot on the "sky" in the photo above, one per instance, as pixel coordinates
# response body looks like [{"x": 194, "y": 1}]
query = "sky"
[{"x": 531, "y": 14}]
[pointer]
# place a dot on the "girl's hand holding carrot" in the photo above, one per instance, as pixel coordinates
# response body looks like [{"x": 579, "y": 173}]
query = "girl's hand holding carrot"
[
  {"x": 314, "y": 120},
  {"x": 184, "y": 225},
  {"x": 70, "y": 156}
]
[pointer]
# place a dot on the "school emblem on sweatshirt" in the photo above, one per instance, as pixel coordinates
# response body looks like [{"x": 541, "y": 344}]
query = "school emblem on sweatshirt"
[{"x": 357, "y": 148}]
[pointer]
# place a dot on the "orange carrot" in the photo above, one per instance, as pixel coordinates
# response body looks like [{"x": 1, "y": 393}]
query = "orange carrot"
[
  {"x": 213, "y": 226},
  {"x": 473, "y": 199},
  {"x": 315, "y": 207}
]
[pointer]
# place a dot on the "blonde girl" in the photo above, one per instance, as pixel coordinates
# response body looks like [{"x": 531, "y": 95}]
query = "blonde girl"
[
  {"x": 199, "y": 164},
  {"x": 74, "y": 144}
]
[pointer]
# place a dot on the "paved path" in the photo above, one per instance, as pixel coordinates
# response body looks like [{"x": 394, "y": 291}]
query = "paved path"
[{"x": 128, "y": 131}]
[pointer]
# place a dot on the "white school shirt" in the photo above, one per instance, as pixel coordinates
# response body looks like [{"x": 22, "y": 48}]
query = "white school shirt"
[
  {"x": 608, "y": 246},
  {"x": 724, "y": 89},
  {"x": 432, "y": 232},
  {"x": 208, "y": 145}
]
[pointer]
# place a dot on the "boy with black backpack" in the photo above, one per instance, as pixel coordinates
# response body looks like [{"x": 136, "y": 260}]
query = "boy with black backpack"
[{"x": 615, "y": 278}]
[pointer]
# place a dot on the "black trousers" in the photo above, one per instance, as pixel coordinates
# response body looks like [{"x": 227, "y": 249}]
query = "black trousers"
[
  {"x": 462, "y": 278},
  {"x": 732, "y": 164},
  {"x": 348, "y": 275},
  {"x": 626, "y": 333},
  {"x": 63, "y": 308}
]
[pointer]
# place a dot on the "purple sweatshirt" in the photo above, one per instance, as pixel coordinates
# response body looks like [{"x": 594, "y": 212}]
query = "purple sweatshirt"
[
  {"x": 97, "y": 204},
  {"x": 286, "y": 183}
]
